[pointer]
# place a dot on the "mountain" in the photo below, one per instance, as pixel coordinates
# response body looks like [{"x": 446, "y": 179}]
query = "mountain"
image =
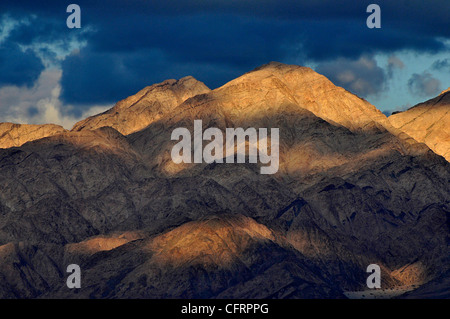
[
  {"x": 222, "y": 256},
  {"x": 147, "y": 106},
  {"x": 436, "y": 289},
  {"x": 427, "y": 123},
  {"x": 12, "y": 135},
  {"x": 351, "y": 190},
  {"x": 305, "y": 88},
  {"x": 313, "y": 113}
]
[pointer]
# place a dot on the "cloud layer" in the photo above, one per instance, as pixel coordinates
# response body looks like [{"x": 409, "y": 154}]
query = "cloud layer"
[{"x": 18, "y": 67}]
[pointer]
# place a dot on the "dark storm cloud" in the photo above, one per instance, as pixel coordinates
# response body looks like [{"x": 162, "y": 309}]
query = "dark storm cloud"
[
  {"x": 112, "y": 80},
  {"x": 417, "y": 15},
  {"x": 137, "y": 43},
  {"x": 327, "y": 29},
  {"x": 207, "y": 38},
  {"x": 232, "y": 42},
  {"x": 424, "y": 84},
  {"x": 171, "y": 47},
  {"x": 37, "y": 30},
  {"x": 18, "y": 67}
]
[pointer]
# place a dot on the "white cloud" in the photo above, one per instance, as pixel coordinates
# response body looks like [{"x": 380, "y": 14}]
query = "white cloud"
[{"x": 41, "y": 103}]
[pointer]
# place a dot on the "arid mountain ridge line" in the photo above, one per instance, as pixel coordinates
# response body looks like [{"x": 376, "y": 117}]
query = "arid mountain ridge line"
[
  {"x": 427, "y": 123},
  {"x": 301, "y": 86}
]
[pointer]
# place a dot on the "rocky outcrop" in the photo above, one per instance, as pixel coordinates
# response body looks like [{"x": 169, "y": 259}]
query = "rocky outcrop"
[
  {"x": 428, "y": 123},
  {"x": 305, "y": 88},
  {"x": 145, "y": 107},
  {"x": 13, "y": 135},
  {"x": 220, "y": 256}
]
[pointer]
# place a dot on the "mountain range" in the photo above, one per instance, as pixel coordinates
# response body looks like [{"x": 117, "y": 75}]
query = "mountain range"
[{"x": 354, "y": 188}]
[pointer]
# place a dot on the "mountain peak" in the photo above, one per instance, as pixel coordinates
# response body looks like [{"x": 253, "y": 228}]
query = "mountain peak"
[
  {"x": 275, "y": 67},
  {"x": 309, "y": 90},
  {"x": 427, "y": 123},
  {"x": 445, "y": 91},
  {"x": 12, "y": 135},
  {"x": 143, "y": 108},
  {"x": 282, "y": 83}
]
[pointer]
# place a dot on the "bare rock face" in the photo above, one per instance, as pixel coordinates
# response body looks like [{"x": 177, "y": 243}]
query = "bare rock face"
[
  {"x": 322, "y": 126},
  {"x": 434, "y": 289},
  {"x": 27, "y": 271},
  {"x": 309, "y": 90},
  {"x": 351, "y": 190},
  {"x": 428, "y": 123},
  {"x": 222, "y": 256},
  {"x": 145, "y": 107},
  {"x": 13, "y": 135}
]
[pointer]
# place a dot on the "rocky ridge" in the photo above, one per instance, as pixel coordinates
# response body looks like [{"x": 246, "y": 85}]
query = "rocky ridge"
[
  {"x": 427, "y": 123},
  {"x": 14, "y": 135},
  {"x": 145, "y": 107}
]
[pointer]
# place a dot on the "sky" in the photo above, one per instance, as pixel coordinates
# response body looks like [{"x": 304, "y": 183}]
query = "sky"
[{"x": 50, "y": 73}]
